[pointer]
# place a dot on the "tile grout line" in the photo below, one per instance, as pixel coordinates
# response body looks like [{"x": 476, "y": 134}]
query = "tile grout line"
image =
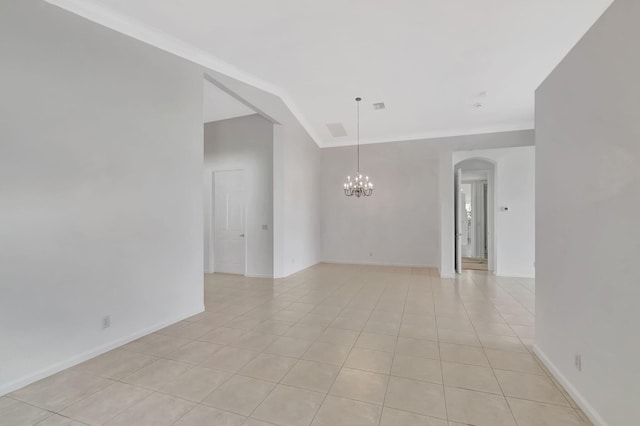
[
  {"x": 238, "y": 304},
  {"x": 393, "y": 357},
  {"x": 435, "y": 314},
  {"x": 547, "y": 374},
  {"x": 342, "y": 366},
  {"x": 504, "y": 397}
]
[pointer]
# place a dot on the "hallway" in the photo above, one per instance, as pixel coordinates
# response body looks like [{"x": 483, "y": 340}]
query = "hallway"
[{"x": 331, "y": 345}]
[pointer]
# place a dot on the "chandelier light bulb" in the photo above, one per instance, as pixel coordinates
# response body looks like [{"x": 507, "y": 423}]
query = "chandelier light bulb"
[{"x": 358, "y": 186}]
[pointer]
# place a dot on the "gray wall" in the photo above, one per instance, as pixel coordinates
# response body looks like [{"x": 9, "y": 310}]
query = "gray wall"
[
  {"x": 401, "y": 223},
  {"x": 513, "y": 233},
  {"x": 296, "y": 181},
  {"x": 100, "y": 190},
  {"x": 244, "y": 143},
  {"x": 588, "y": 151}
]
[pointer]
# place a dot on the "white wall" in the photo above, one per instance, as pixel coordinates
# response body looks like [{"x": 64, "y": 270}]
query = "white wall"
[
  {"x": 588, "y": 240},
  {"x": 298, "y": 189},
  {"x": 296, "y": 181},
  {"x": 100, "y": 190},
  {"x": 244, "y": 143},
  {"x": 514, "y": 186},
  {"x": 401, "y": 223},
  {"x": 398, "y": 224}
]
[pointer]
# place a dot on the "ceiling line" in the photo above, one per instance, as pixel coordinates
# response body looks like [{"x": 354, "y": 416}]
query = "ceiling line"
[
  {"x": 244, "y": 102},
  {"x": 154, "y": 37},
  {"x": 439, "y": 135}
]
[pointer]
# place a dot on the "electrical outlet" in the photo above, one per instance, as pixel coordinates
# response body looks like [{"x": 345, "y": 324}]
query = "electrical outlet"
[
  {"x": 106, "y": 322},
  {"x": 578, "y": 362}
]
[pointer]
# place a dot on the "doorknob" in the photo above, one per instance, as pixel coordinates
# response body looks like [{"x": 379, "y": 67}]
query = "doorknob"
[{"x": 242, "y": 235}]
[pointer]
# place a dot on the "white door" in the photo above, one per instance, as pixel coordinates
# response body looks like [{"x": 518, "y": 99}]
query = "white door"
[
  {"x": 459, "y": 217},
  {"x": 229, "y": 214}
]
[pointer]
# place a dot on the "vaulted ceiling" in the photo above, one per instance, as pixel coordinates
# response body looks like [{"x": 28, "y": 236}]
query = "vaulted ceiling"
[
  {"x": 442, "y": 67},
  {"x": 219, "y": 105}
]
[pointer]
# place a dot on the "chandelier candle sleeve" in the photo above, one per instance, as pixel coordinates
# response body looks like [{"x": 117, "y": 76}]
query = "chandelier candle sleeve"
[{"x": 359, "y": 186}]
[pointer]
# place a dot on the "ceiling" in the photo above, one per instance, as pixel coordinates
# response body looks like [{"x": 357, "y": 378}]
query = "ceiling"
[
  {"x": 218, "y": 105},
  {"x": 474, "y": 176},
  {"x": 442, "y": 67}
]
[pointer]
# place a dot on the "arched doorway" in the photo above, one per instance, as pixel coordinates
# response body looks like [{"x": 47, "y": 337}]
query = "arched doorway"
[{"x": 474, "y": 236}]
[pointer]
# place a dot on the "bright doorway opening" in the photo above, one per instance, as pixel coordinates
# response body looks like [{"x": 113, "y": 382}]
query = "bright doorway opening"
[{"x": 474, "y": 192}]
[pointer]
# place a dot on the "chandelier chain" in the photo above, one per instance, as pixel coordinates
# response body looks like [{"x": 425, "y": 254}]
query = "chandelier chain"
[
  {"x": 360, "y": 186},
  {"x": 358, "y": 131}
]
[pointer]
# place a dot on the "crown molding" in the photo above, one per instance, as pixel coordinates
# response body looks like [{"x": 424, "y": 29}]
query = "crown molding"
[
  {"x": 437, "y": 135},
  {"x": 153, "y": 36}
]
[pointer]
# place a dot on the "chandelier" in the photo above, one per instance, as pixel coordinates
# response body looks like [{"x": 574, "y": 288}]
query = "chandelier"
[{"x": 359, "y": 185}]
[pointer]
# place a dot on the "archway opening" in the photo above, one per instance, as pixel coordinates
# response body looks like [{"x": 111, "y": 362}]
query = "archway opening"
[{"x": 474, "y": 237}]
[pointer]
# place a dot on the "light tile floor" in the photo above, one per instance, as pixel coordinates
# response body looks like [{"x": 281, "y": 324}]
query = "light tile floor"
[{"x": 332, "y": 345}]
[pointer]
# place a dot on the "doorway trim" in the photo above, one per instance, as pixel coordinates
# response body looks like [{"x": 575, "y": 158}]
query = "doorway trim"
[{"x": 492, "y": 172}]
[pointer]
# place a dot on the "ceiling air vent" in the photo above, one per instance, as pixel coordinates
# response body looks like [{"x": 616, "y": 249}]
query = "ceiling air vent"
[
  {"x": 378, "y": 105},
  {"x": 337, "y": 130}
]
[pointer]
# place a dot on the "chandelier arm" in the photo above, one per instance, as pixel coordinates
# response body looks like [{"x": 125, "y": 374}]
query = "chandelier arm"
[{"x": 360, "y": 186}]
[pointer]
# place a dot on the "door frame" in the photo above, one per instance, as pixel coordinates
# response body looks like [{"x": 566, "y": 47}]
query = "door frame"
[
  {"x": 211, "y": 219},
  {"x": 457, "y": 224},
  {"x": 491, "y": 205}
]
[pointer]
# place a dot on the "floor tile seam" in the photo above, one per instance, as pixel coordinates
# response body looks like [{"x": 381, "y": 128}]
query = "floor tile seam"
[
  {"x": 151, "y": 392},
  {"x": 556, "y": 382},
  {"x": 122, "y": 379},
  {"x": 341, "y": 368},
  {"x": 393, "y": 356},
  {"x": 384, "y": 405},
  {"x": 264, "y": 421},
  {"x": 419, "y": 414},
  {"x": 514, "y": 298},
  {"x": 8, "y": 396},
  {"x": 204, "y": 405},
  {"x": 540, "y": 402},
  {"x": 501, "y": 315},
  {"x": 161, "y": 391},
  {"x": 547, "y": 374},
  {"x": 489, "y": 362},
  {"x": 195, "y": 364},
  {"x": 444, "y": 395},
  {"x": 82, "y": 398},
  {"x": 61, "y": 415},
  {"x": 279, "y": 383}
]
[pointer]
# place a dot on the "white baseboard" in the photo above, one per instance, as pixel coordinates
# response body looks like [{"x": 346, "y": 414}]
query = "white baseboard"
[
  {"x": 400, "y": 265},
  {"x": 258, "y": 276},
  {"x": 298, "y": 270},
  {"x": 507, "y": 275},
  {"x": 451, "y": 274},
  {"x": 571, "y": 390},
  {"x": 77, "y": 359}
]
